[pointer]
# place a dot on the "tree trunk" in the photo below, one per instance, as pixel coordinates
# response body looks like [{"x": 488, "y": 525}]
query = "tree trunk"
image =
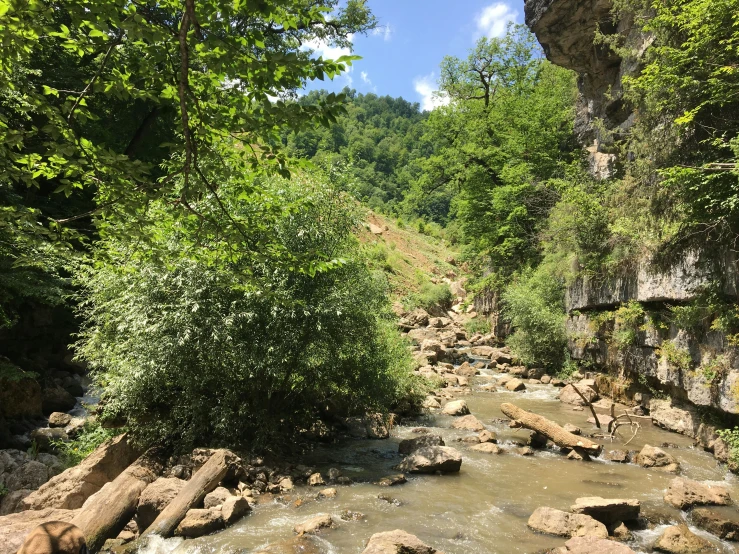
[
  {"x": 112, "y": 507},
  {"x": 205, "y": 480},
  {"x": 549, "y": 429}
]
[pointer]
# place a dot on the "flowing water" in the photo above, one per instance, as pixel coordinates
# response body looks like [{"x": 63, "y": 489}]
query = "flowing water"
[{"x": 482, "y": 509}]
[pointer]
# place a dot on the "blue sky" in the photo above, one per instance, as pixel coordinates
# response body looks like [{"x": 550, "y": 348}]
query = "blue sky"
[{"x": 402, "y": 56}]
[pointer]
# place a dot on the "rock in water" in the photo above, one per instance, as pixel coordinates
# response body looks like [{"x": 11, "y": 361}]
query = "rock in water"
[
  {"x": 718, "y": 524},
  {"x": 592, "y": 545},
  {"x": 456, "y": 408},
  {"x": 683, "y": 493},
  {"x": 487, "y": 448},
  {"x": 678, "y": 539},
  {"x": 565, "y": 524},
  {"x": 397, "y": 542},
  {"x": 234, "y": 508},
  {"x": 200, "y": 522},
  {"x": 569, "y": 395},
  {"x": 607, "y": 510},
  {"x": 656, "y": 458},
  {"x": 314, "y": 525},
  {"x": 469, "y": 422},
  {"x": 407, "y": 446},
  {"x": 431, "y": 459},
  {"x": 515, "y": 385}
]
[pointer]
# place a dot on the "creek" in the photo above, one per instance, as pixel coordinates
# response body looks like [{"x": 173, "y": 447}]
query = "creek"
[{"x": 485, "y": 507}]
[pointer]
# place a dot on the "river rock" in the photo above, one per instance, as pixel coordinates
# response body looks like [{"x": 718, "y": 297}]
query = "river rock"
[
  {"x": 303, "y": 544},
  {"x": 155, "y": 497},
  {"x": 487, "y": 448},
  {"x": 56, "y": 399},
  {"x": 313, "y": 525},
  {"x": 234, "y": 508},
  {"x": 199, "y": 522},
  {"x": 316, "y": 480},
  {"x": 515, "y": 385},
  {"x": 525, "y": 451},
  {"x": 568, "y": 395},
  {"x": 397, "y": 542},
  {"x": 431, "y": 459},
  {"x": 468, "y": 422},
  {"x": 407, "y": 446},
  {"x": 72, "y": 487},
  {"x": 418, "y": 317},
  {"x": 607, "y": 510},
  {"x": 619, "y": 456},
  {"x": 327, "y": 493},
  {"x": 15, "y": 527},
  {"x": 466, "y": 370},
  {"x": 216, "y": 497},
  {"x": 656, "y": 458},
  {"x": 726, "y": 528},
  {"x": 392, "y": 480},
  {"x": 565, "y": 524},
  {"x": 678, "y": 539},
  {"x": 592, "y": 545},
  {"x": 59, "y": 419},
  {"x": 371, "y": 426},
  {"x": 570, "y": 428},
  {"x": 456, "y": 408},
  {"x": 683, "y": 493},
  {"x": 31, "y": 475},
  {"x": 487, "y": 436},
  {"x": 431, "y": 403},
  {"x": 546, "y": 379}
]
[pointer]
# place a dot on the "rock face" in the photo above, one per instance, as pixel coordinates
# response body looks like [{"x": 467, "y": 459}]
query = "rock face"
[
  {"x": 607, "y": 510},
  {"x": 684, "y": 493},
  {"x": 565, "y": 524},
  {"x": 397, "y": 542},
  {"x": 678, "y": 539},
  {"x": 431, "y": 459},
  {"x": 71, "y": 488},
  {"x": 154, "y": 498},
  {"x": 407, "y": 446}
]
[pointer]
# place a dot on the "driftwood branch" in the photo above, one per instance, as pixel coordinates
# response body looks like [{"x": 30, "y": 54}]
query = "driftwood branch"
[{"x": 588, "y": 404}]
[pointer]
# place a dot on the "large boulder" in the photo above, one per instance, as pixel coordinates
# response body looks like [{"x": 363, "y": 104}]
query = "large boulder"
[
  {"x": 569, "y": 395},
  {"x": 515, "y": 385},
  {"x": 678, "y": 539},
  {"x": 607, "y": 510},
  {"x": 314, "y": 524},
  {"x": 407, "y": 446},
  {"x": 431, "y": 459},
  {"x": 216, "y": 497},
  {"x": 683, "y": 493},
  {"x": 456, "y": 408},
  {"x": 10, "y": 502},
  {"x": 72, "y": 487},
  {"x": 397, "y": 542},
  {"x": 565, "y": 524},
  {"x": 21, "y": 398},
  {"x": 371, "y": 426},
  {"x": 469, "y": 423},
  {"x": 56, "y": 399},
  {"x": 656, "y": 458},
  {"x": 418, "y": 317},
  {"x": 592, "y": 545},
  {"x": 199, "y": 522},
  {"x": 155, "y": 498},
  {"x": 719, "y": 524},
  {"x": 15, "y": 527},
  {"x": 59, "y": 419},
  {"x": 466, "y": 370},
  {"x": 234, "y": 508},
  {"x": 31, "y": 475}
]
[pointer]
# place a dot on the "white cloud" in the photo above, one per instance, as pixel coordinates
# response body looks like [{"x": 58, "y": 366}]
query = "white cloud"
[
  {"x": 385, "y": 31},
  {"x": 365, "y": 78},
  {"x": 492, "y": 20},
  {"x": 430, "y": 97},
  {"x": 322, "y": 48}
]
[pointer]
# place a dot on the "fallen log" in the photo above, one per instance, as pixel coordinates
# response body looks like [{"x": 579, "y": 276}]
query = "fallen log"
[
  {"x": 549, "y": 429},
  {"x": 107, "y": 512},
  {"x": 205, "y": 480}
]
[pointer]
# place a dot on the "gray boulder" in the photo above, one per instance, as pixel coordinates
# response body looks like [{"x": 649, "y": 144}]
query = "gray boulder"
[
  {"x": 431, "y": 459},
  {"x": 407, "y": 446}
]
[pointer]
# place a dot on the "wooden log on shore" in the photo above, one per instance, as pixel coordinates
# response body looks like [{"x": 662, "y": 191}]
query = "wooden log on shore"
[
  {"x": 549, "y": 429},
  {"x": 106, "y": 513},
  {"x": 205, "y": 480}
]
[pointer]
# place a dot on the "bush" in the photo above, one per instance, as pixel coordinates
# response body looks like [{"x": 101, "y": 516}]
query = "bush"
[
  {"x": 534, "y": 305},
  {"x": 432, "y": 298},
  {"x": 479, "y": 325},
  {"x": 79, "y": 448},
  {"x": 192, "y": 353}
]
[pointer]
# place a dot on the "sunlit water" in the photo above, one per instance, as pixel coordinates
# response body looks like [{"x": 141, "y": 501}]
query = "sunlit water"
[{"x": 485, "y": 507}]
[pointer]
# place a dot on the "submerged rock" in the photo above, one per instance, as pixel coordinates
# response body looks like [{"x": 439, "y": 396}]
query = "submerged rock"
[
  {"x": 397, "y": 542},
  {"x": 592, "y": 545},
  {"x": 431, "y": 459},
  {"x": 565, "y": 524},
  {"x": 313, "y": 525},
  {"x": 487, "y": 448},
  {"x": 684, "y": 493},
  {"x": 392, "y": 480}
]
